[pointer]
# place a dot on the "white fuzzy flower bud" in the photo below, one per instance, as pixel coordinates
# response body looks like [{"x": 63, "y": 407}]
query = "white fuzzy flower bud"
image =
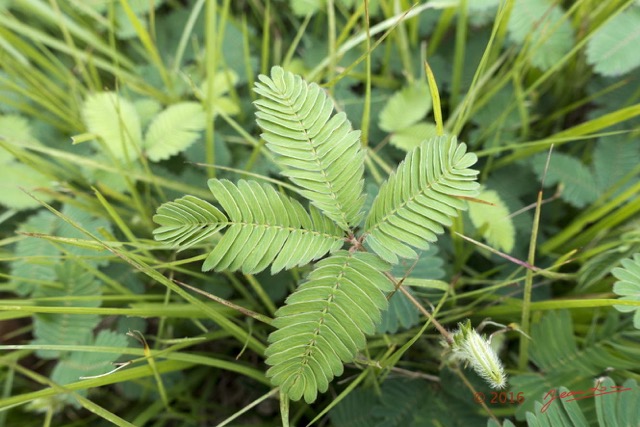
[{"x": 475, "y": 350}]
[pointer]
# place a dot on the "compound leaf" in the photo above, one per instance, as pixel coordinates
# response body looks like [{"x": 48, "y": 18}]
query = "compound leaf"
[
  {"x": 614, "y": 406},
  {"x": 325, "y": 321},
  {"x": 417, "y": 403},
  {"x": 35, "y": 258},
  {"x": 565, "y": 412},
  {"x": 264, "y": 227},
  {"x": 174, "y": 130},
  {"x": 628, "y": 286},
  {"x": 317, "y": 150},
  {"x": 84, "y": 364},
  {"x": 561, "y": 361},
  {"x": 400, "y": 314},
  {"x": 267, "y": 227},
  {"x": 420, "y": 197},
  {"x": 90, "y": 223},
  {"x": 355, "y": 409},
  {"x": 423, "y": 273},
  {"x": 187, "y": 221},
  {"x": 66, "y": 328}
]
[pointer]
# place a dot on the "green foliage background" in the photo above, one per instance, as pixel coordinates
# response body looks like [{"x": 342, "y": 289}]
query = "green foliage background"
[{"x": 114, "y": 116}]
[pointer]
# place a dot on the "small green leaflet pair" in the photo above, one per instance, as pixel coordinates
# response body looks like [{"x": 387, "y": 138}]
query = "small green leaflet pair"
[{"x": 324, "y": 322}]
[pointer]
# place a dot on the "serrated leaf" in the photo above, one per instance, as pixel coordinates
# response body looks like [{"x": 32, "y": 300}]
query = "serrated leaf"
[
  {"x": 420, "y": 197},
  {"x": 15, "y": 130},
  {"x": 482, "y": 12},
  {"x": 628, "y": 286},
  {"x": 147, "y": 110},
  {"x": 579, "y": 185},
  {"x": 541, "y": 22},
  {"x": 126, "y": 28},
  {"x": 305, "y": 7},
  {"x": 493, "y": 220},
  {"x": 613, "y": 49},
  {"x": 405, "y": 108},
  {"x": 316, "y": 149},
  {"x": 115, "y": 120},
  {"x": 325, "y": 321},
  {"x": 411, "y": 137},
  {"x": 223, "y": 82},
  {"x": 174, "y": 130},
  {"x": 493, "y": 111},
  {"x": 14, "y": 175},
  {"x": 612, "y": 159}
]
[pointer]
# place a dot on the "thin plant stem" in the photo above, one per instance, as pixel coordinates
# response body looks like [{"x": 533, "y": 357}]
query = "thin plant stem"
[
  {"x": 366, "y": 112},
  {"x": 523, "y": 357}
]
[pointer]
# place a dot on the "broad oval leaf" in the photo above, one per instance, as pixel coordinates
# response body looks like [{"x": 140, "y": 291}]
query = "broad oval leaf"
[
  {"x": 325, "y": 321},
  {"x": 317, "y": 150},
  {"x": 493, "y": 221},
  {"x": 613, "y": 159},
  {"x": 14, "y": 130},
  {"x": 579, "y": 184},
  {"x": 613, "y": 49},
  {"x": 174, "y": 130},
  {"x": 14, "y": 175},
  {"x": 420, "y": 197},
  {"x": 406, "y": 107},
  {"x": 116, "y": 121},
  {"x": 541, "y": 24},
  {"x": 305, "y": 7},
  {"x": 410, "y": 137}
]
